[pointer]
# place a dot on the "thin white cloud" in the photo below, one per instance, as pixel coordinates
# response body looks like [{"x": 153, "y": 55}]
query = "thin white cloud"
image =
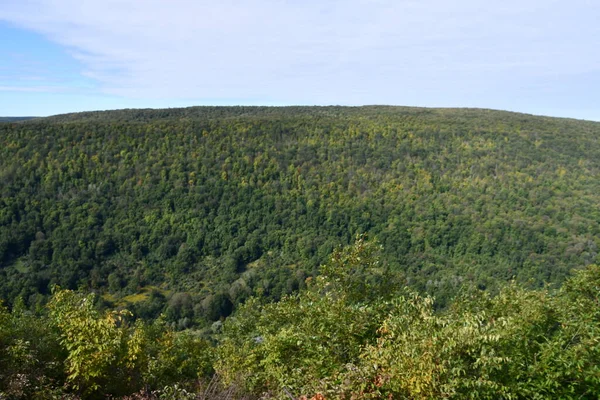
[{"x": 346, "y": 52}]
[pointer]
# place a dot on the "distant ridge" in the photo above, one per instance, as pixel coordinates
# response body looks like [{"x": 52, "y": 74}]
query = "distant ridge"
[
  {"x": 15, "y": 119},
  {"x": 218, "y": 112}
]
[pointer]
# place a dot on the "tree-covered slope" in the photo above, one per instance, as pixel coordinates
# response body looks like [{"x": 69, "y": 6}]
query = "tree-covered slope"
[{"x": 193, "y": 210}]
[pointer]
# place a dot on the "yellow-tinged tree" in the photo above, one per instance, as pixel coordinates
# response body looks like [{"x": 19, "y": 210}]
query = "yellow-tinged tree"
[{"x": 96, "y": 342}]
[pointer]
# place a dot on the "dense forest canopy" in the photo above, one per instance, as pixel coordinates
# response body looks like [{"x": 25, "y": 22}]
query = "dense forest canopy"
[
  {"x": 357, "y": 253},
  {"x": 192, "y": 211}
]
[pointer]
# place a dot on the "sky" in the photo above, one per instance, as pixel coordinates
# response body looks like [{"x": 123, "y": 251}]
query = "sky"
[{"x": 533, "y": 56}]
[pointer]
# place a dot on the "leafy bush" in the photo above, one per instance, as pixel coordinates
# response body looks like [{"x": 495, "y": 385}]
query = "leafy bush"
[
  {"x": 106, "y": 354},
  {"x": 302, "y": 343},
  {"x": 518, "y": 344},
  {"x": 30, "y": 356}
]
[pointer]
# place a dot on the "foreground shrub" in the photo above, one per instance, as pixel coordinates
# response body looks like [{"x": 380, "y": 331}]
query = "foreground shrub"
[
  {"x": 108, "y": 355},
  {"x": 517, "y": 345},
  {"x": 302, "y": 343},
  {"x": 31, "y": 359}
]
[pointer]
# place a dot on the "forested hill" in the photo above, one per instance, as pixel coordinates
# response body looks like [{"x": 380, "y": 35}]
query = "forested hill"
[{"x": 194, "y": 210}]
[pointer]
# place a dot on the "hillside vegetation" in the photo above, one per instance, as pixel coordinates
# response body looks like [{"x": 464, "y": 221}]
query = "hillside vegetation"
[
  {"x": 336, "y": 252},
  {"x": 192, "y": 211}
]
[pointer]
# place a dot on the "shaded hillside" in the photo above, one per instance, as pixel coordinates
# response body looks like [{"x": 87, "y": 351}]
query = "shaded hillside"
[{"x": 193, "y": 210}]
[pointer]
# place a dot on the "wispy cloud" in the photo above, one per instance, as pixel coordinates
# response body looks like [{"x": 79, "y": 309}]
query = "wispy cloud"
[{"x": 347, "y": 52}]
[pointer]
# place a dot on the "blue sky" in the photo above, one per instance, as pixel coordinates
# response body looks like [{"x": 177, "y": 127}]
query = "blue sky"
[{"x": 532, "y": 56}]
